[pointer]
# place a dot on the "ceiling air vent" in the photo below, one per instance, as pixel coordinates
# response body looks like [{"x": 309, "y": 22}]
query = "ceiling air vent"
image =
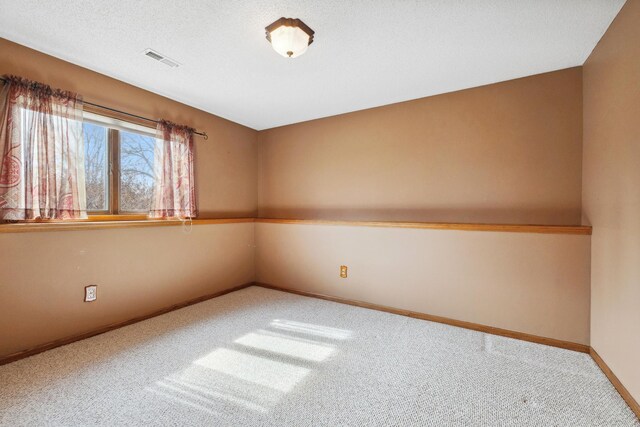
[{"x": 159, "y": 57}]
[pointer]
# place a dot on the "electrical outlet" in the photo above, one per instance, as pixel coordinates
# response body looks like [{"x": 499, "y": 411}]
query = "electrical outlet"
[
  {"x": 90, "y": 293},
  {"x": 343, "y": 271}
]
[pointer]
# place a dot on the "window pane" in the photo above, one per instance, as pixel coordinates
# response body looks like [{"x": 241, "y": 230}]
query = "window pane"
[
  {"x": 136, "y": 171},
  {"x": 96, "y": 167}
]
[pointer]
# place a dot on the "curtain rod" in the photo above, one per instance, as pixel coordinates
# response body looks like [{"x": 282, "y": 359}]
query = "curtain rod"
[{"x": 202, "y": 134}]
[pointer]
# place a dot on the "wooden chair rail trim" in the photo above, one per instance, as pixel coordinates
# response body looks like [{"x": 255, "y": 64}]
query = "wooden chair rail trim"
[
  {"x": 102, "y": 223},
  {"x": 582, "y": 348},
  {"x": 128, "y": 221},
  {"x": 514, "y": 228}
]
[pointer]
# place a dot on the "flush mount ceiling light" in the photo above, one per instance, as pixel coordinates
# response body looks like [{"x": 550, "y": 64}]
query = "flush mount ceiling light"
[{"x": 289, "y": 37}]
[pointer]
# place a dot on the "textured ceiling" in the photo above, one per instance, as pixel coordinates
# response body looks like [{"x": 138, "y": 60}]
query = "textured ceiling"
[{"x": 366, "y": 53}]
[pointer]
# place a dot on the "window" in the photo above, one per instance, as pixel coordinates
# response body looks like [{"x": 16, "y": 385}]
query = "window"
[
  {"x": 46, "y": 137},
  {"x": 119, "y": 162}
]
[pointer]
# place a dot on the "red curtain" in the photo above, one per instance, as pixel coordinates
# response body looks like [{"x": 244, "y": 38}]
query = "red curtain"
[
  {"x": 174, "y": 189},
  {"x": 42, "y": 152}
]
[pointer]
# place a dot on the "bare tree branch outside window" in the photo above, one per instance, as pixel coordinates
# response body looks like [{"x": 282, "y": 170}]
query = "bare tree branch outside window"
[
  {"x": 136, "y": 171},
  {"x": 96, "y": 167}
]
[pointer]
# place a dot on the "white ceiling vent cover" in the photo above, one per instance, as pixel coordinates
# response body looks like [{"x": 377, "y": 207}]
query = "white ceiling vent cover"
[{"x": 160, "y": 57}]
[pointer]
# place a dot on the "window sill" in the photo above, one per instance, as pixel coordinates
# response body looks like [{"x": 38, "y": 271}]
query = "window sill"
[
  {"x": 123, "y": 217},
  {"x": 97, "y": 222}
]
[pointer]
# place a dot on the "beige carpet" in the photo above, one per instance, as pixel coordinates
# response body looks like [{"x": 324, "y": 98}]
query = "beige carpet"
[{"x": 259, "y": 357}]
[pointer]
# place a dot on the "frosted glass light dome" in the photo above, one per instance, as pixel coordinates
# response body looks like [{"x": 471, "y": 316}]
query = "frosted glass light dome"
[{"x": 289, "y": 37}]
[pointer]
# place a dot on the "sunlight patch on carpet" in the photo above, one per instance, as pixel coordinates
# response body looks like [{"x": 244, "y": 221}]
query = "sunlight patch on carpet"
[
  {"x": 258, "y": 370},
  {"x": 276, "y": 343},
  {"x": 311, "y": 329}
]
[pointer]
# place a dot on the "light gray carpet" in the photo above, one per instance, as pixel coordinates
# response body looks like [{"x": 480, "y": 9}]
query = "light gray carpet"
[{"x": 259, "y": 357}]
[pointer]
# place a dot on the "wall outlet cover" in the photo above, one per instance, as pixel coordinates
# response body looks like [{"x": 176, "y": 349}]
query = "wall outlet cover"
[
  {"x": 343, "y": 271},
  {"x": 90, "y": 293}
]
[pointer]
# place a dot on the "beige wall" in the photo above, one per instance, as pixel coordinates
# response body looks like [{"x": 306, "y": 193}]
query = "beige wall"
[
  {"x": 137, "y": 270},
  {"x": 611, "y": 193},
  {"x": 532, "y": 283},
  {"x": 504, "y": 153},
  {"x": 42, "y": 275}
]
